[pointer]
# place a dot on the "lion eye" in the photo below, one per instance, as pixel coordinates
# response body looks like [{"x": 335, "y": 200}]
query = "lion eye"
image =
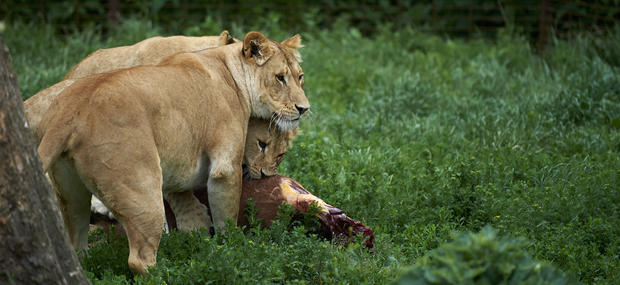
[
  {"x": 280, "y": 78},
  {"x": 262, "y": 145},
  {"x": 280, "y": 158},
  {"x": 301, "y": 77}
]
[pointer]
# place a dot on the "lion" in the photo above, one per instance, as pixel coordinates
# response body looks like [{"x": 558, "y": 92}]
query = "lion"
[
  {"x": 147, "y": 52},
  {"x": 272, "y": 142},
  {"x": 127, "y": 134}
]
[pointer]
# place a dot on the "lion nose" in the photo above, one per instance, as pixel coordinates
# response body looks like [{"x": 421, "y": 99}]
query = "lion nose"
[{"x": 301, "y": 109}]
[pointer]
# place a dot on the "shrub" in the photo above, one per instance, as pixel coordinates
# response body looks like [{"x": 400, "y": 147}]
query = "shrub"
[{"x": 483, "y": 258}]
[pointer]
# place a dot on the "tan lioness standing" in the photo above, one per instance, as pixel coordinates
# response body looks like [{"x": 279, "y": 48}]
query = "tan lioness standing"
[
  {"x": 261, "y": 162},
  {"x": 127, "y": 134},
  {"x": 147, "y": 52}
]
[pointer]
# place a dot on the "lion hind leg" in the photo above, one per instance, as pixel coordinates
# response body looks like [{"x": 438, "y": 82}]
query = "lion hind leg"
[
  {"x": 139, "y": 208},
  {"x": 74, "y": 200},
  {"x": 130, "y": 185},
  {"x": 190, "y": 214}
]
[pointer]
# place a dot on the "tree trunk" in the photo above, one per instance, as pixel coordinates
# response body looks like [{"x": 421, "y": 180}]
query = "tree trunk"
[{"x": 34, "y": 248}]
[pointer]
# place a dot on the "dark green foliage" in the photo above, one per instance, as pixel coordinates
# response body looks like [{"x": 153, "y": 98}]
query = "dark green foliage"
[
  {"x": 482, "y": 258},
  {"x": 454, "y": 17},
  {"x": 107, "y": 256},
  {"x": 414, "y": 135}
]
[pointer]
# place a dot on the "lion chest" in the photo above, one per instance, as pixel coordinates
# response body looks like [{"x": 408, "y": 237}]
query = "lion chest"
[{"x": 184, "y": 175}]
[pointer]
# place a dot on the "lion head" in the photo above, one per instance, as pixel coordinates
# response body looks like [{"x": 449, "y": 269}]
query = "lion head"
[
  {"x": 265, "y": 147},
  {"x": 278, "y": 89}
]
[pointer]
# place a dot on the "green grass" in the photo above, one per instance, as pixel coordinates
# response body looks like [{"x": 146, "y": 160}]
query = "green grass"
[{"x": 417, "y": 136}]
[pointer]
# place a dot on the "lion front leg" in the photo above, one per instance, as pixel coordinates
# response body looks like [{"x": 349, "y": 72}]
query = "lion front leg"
[
  {"x": 190, "y": 214},
  {"x": 224, "y": 190}
]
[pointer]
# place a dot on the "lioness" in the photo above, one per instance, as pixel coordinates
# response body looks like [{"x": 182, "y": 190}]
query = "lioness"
[
  {"x": 273, "y": 142},
  {"x": 147, "y": 52},
  {"x": 126, "y": 134}
]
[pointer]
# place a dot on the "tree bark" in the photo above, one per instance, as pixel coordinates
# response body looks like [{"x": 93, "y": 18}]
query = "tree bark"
[{"x": 34, "y": 248}]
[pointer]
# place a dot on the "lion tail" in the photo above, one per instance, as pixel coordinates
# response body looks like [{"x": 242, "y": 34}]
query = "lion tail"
[{"x": 54, "y": 142}]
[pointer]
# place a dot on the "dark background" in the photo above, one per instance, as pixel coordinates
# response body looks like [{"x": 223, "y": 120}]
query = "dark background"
[{"x": 538, "y": 19}]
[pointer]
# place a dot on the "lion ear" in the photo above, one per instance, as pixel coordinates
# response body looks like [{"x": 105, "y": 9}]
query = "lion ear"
[
  {"x": 226, "y": 38},
  {"x": 256, "y": 46},
  {"x": 293, "y": 42}
]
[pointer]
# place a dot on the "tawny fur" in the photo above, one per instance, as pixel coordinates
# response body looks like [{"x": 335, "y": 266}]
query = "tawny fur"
[
  {"x": 189, "y": 213},
  {"x": 259, "y": 160},
  {"x": 264, "y": 161},
  {"x": 130, "y": 133},
  {"x": 147, "y": 52}
]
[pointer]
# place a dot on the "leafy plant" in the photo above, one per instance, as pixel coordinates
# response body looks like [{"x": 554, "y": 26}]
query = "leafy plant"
[{"x": 483, "y": 258}]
